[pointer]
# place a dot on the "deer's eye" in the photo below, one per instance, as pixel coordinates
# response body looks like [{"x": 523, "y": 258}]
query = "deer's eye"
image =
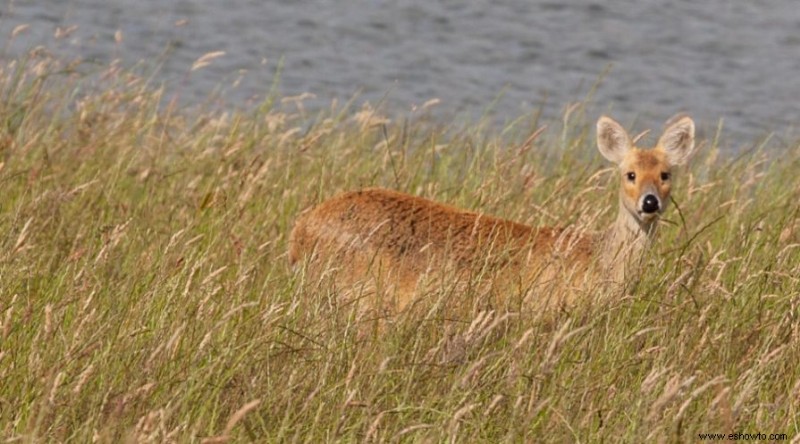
[
  {"x": 665, "y": 176},
  {"x": 631, "y": 176}
]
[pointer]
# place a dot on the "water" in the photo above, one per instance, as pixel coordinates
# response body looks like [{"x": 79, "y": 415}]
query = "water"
[{"x": 715, "y": 59}]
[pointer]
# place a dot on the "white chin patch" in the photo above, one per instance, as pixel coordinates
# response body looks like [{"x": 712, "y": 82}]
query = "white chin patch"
[{"x": 647, "y": 216}]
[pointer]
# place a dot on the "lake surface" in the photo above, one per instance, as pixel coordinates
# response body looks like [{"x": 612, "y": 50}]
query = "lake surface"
[{"x": 715, "y": 59}]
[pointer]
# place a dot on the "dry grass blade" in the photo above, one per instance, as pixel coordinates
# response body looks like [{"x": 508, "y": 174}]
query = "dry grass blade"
[
  {"x": 19, "y": 29},
  {"x": 23, "y": 236},
  {"x": 206, "y": 59},
  {"x": 239, "y": 415}
]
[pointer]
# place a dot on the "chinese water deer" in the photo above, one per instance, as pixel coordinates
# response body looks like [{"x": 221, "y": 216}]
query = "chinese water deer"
[{"x": 401, "y": 238}]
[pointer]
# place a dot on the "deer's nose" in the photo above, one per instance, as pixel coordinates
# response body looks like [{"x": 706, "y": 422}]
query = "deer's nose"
[{"x": 650, "y": 204}]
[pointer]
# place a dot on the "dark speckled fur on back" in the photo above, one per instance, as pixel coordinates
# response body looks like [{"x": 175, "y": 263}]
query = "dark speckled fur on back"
[{"x": 411, "y": 234}]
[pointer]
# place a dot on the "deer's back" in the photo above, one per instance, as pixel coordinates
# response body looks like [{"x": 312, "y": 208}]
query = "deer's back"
[{"x": 411, "y": 233}]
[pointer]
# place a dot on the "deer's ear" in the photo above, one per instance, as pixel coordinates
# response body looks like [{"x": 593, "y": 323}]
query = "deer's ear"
[
  {"x": 612, "y": 139},
  {"x": 678, "y": 141}
]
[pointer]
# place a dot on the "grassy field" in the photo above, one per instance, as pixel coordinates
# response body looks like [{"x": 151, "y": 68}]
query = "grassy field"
[{"x": 145, "y": 293}]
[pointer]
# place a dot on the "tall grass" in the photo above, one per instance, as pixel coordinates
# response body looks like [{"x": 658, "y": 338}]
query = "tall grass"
[{"x": 145, "y": 293}]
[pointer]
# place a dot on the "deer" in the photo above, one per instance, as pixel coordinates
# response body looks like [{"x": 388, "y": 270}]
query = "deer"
[{"x": 402, "y": 238}]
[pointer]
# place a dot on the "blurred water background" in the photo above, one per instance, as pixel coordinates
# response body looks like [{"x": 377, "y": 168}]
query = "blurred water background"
[{"x": 738, "y": 62}]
